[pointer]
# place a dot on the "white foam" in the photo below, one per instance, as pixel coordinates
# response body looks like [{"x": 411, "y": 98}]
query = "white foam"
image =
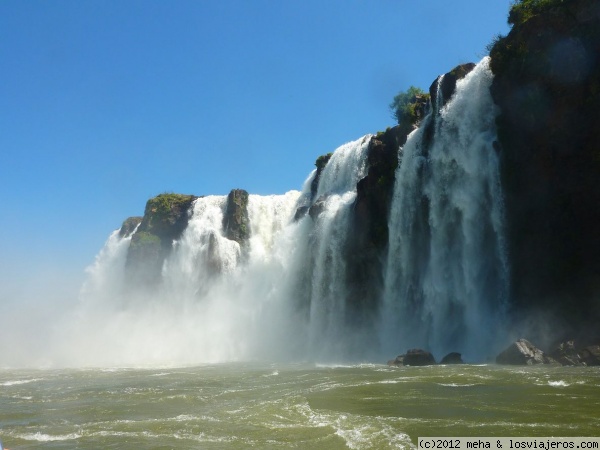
[{"x": 19, "y": 382}]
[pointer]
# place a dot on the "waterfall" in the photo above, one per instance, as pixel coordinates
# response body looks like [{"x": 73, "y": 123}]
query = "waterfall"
[
  {"x": 284, "y": 292},
  {"x": 447, "y": 276},
  {"x": 329, "y": 336}
]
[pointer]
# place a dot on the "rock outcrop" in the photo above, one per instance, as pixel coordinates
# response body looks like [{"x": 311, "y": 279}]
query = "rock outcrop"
[
  {"x": 452, "y": 358},
  {"x": 590, "y": 355},
  {"x": 165, "y": 218},
  {"x": 236, "y": 225},
  {"x": 414, "y": 357},
  {"x": 320, "y": 164},
  {"x": 547, "y": 85},
  {"x": 522, "y": 352},
  {"x": 129, "y": 226},
  {"x": 566, "y": 354},
  {"x": 444, "y": 86}
]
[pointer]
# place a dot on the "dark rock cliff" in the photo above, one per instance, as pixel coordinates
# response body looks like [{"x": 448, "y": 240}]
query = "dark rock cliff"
[{"x": 547, "y": 85}]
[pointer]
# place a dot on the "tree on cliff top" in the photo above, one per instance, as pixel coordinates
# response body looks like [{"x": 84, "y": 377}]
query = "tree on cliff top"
[{"x": 403, "y": 105}]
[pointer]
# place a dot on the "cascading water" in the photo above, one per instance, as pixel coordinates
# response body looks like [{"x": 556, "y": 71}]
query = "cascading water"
[
  {"x": 447, "y": 277},
  {"x": 284, "y": 293},
  {"x": 329, "y": 336}
]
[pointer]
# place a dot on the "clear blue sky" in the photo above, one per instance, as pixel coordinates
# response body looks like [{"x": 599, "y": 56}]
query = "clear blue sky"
[{"x": 104, "y": 104}]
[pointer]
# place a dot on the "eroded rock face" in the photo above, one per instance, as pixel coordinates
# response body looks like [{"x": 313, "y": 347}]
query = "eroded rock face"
[
  {"x": 547, "y": 85},
  {"x": 236, "y": 224},
  {"x": 521, "y": 353}
]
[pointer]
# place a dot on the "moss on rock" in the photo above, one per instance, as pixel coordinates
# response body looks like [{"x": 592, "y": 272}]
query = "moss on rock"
[{"x": 165, "y": 218}]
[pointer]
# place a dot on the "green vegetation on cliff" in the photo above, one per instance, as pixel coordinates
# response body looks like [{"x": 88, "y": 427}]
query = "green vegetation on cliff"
[
  {"x": 165, "y": 218},
  {"x": 523, "y": 10},
  {"x": 322, "y": 161},
  {"x": 164, "y": 211},
  {"x": 405, "y": 106}
]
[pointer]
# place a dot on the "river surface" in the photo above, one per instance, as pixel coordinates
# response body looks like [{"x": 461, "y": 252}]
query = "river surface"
[{"x": 269, "y": 406}]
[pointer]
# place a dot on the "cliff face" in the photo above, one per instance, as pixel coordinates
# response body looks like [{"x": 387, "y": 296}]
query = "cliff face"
[{"x": 547, "y": 85}]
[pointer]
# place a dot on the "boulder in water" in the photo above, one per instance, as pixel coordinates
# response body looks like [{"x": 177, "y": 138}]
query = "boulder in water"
[
  {"x": 522, "y": 352},
  {"x": 418, "y": 357},
  {"x": 452, "y": 358},
  {"x": 590, "y": 355},
  {"x": 566, "y": 354},
  {"x": 398, "y": 361},
  {"x": 414, "y": 357}
]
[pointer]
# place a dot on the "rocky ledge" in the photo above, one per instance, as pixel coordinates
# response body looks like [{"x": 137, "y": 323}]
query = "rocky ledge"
[{"x": 523, "y": 352}]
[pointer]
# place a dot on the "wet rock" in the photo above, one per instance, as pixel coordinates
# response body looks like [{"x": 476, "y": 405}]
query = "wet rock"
[
  {"x": 446, "y": 84},
  {"x": 522, "y": 352},
  {"x": 590, "y": 355},
  {"x": 300, "y": 213},
  {"x": 320, "y": 164},
  {"x": 566, "y": 354},
  {"x": 317, "y": 208},
  {"x": 418, "y": 357},
  {"x": 452, "y": 358},
  {"x": 398, "y": 361}
]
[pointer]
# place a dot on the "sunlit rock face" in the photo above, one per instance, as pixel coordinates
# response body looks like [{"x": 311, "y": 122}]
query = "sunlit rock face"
[
  {"x": 547, "y": 85},
  {"x": 165, "y": 219}
]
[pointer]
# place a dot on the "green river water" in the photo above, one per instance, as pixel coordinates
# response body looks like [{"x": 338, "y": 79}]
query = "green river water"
[{"x": 268, "y": 406}]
